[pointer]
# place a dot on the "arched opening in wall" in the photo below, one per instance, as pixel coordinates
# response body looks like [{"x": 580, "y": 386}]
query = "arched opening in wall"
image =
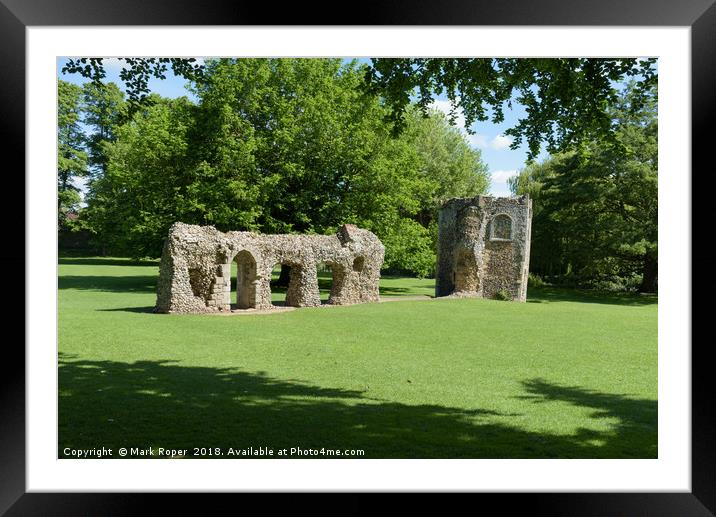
[
  {"x": 280, "y": 278},
  {"x": 338, "y": 281},
  {"x": 501, "y": 228},
  {"x": 325, "y": 274},
  {"x": 195, "y": 281},
  {"x": 466, "y": 277},
  {"x": 245, "y": 281},
  {"x": 359, "y": 264}
]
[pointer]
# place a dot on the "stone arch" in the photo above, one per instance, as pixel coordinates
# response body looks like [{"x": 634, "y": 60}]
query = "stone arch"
[
  {"x": 359, "y": 264},
  {"x": 246, "y": 280},
  {"x": 196, "y": 281},
  {"x": 338, "y": 284},
  {"x": 197, "y": 272},
  {"x": 501, "y": 228},
  {"x": 466, "y": 273},
  {"x": 277, "y": 287},
  {"x": 326, "y": 274}
]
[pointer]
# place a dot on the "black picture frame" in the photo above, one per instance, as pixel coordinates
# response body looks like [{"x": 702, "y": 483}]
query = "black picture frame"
[{"x": 16, "y": 15}]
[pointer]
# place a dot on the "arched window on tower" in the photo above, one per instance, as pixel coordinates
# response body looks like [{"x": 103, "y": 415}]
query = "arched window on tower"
[{"x": 501, "y": 228}]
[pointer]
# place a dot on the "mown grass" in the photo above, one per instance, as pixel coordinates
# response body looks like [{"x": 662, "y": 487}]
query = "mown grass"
[{"x": 566, "y": 375}]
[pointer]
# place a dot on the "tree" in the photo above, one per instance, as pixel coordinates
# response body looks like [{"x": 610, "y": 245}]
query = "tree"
[
  {"x": 595, "y": 210},
  {"x": 547, "y": 257},
  {"x": 323, "y": 155},
  {"x": 309, "y": 128},
  {"x": 104, "y": 109},
  {"x": 136, "y": 72},
  {"x": 279, "y": 146},
  {"x": 143, "y": 191},
  {"x": 446, "y": 166},
  {"x": 71, "y": 157},
  {"x": 567, "y": 100}
]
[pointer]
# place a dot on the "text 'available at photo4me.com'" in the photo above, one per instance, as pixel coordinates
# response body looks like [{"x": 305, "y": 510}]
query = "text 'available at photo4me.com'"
[{"x": 209, "y": 452}]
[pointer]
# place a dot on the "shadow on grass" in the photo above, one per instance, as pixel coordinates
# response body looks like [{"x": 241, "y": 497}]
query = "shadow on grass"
[
  {"x": 557, "y": 294},
  {"x": 139, "y": 310},
  {"x": 115, "y": 284},
  {"x": 99, "y": 261},
  {"x": 636, "y": 418},
  {"x": 383, "y": 290},
  {"x": 162, "y": 403}
]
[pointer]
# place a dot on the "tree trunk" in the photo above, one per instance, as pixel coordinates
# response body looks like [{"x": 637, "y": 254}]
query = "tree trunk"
[{"x": 650, "y": 270}]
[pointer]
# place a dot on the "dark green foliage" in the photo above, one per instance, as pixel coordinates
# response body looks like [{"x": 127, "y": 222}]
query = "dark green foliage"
[
  {"x": 502, "y": 295},
  {"x": 136, "y": 73},
  {"x": 567, "y": 100},
  {"x": 534, "y": 280},
  {"x": 595, "y": 210}
]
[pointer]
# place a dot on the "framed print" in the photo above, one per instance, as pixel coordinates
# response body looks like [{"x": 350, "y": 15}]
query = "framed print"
[{"x": 607, "y": 470}]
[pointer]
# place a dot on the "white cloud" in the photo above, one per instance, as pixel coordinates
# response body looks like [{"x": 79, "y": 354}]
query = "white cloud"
[
  {"x": 445, "y": 106},
  {"x": 478, "y": 140},
  {"x": 502, "y": 176},
  {"x": 501, "y": 142},
  {"x": 113, "y": 64}
]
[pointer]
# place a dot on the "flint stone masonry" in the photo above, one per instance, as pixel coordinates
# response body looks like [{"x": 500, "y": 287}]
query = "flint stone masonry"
[
  {"x": 195, "y": 271},
  {"x": 484, "y": 247}
]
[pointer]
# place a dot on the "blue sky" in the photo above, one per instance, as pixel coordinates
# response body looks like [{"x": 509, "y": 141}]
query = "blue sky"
[{"x": 489, "y": 138}]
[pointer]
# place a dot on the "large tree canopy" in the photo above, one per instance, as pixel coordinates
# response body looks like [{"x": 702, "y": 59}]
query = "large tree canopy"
[
  {"x": 595, "y": 211},
  {"x": 143, "y": 190},
  {"x": 567, "y": 100},
  {"x": 281, "y": 145}
]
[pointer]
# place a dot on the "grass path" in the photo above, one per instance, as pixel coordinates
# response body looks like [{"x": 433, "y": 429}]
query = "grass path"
[{"x": 564, "y": 375}]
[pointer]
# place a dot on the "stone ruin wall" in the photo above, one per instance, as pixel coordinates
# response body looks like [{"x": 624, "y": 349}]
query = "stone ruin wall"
[
  {"x": 484, "y": 247},
  {"x": 195, "y": 270}
]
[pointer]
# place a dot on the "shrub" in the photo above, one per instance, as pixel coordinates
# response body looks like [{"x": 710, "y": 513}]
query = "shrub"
[
  {"x": 502, "y": 294},
  {"x": 534, "y": 280}
]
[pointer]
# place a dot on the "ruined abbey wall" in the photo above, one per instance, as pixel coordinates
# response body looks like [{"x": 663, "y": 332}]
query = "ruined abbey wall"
[
  {"x": 195, "y": 271},
  {"x": 484, "y": 247}
]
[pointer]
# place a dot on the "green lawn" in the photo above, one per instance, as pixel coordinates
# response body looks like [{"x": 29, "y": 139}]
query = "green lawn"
[{"x": 565, "y": 375}]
